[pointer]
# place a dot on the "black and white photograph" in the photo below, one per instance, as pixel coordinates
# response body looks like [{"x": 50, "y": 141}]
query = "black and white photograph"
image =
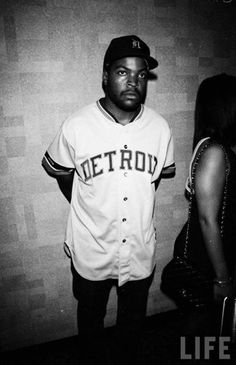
[{"x": 118, "y": 182}]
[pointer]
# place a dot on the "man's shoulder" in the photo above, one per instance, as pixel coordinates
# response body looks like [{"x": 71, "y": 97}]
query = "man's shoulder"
[
  {"x": 81, "y": 113},
  {"x": 80, "y": 116},
  {"x": 154, "y": 117}
]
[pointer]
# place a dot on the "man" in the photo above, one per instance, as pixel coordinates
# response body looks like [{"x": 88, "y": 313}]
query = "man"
[{"x": 110, "y": 154}]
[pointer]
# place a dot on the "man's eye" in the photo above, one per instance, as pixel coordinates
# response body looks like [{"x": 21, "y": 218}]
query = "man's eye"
[
  {"x": 121, "y": 73},
  {"x": 143, "y": 75}
]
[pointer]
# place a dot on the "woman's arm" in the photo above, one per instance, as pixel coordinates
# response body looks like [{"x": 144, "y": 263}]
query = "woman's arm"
[{"x": 209, "y": 189}]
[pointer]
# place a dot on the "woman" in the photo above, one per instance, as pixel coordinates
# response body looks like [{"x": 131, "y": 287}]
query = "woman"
[{"x": 211, "y": 186}]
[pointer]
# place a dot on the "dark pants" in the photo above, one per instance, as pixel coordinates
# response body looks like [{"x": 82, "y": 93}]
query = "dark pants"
[{"x": 92, "y": 299}]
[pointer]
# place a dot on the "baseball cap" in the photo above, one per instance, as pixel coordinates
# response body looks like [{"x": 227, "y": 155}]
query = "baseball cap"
[{"x": 128, "y": 46}]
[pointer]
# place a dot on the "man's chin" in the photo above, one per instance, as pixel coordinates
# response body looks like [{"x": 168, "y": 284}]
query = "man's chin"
[{"x": 130, "y": 106}]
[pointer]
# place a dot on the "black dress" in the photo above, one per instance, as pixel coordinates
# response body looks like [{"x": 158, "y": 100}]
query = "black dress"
[{"x": 196, "y": 249}]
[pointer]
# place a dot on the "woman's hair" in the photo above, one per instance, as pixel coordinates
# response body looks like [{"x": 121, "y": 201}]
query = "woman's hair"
[{"x": 215, "y": 111}]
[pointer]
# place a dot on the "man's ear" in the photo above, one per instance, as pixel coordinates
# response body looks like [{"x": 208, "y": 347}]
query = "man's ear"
[{"x": 104, "y": 77}]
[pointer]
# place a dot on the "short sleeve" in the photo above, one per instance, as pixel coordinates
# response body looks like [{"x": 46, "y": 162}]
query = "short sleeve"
[
  {"x": 169, "y": 160},
  {"x": 165, "y": 155},
  {"x": 59, "y": 157}
]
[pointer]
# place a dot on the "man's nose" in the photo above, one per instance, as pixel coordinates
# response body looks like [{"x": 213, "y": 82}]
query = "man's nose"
[{"x": 132, "y": 80}]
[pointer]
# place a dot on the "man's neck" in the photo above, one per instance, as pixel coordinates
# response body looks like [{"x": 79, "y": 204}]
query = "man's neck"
[{"x": 121, "y": 116}]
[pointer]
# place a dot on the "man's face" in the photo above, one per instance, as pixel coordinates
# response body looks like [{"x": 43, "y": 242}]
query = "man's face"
[{"x": 126, "y": 83}]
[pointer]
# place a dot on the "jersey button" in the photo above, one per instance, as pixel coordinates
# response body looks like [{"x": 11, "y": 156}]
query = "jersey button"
[
  {"x": 125, "y": 146},
  {"x": 124, "y": 240},
  {"x": 124, "y": 220},
  {"x": 125, "y": 174},
  {"x": 125, "y": 198}
]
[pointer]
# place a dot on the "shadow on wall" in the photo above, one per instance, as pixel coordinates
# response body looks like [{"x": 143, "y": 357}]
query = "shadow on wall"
[{"x": 51, "y": 64}]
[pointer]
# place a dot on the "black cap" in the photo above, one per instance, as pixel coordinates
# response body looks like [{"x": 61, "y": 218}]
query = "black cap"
[{"x": 128, "y": 46}]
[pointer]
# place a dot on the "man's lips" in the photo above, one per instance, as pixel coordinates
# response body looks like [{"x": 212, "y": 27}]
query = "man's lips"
[{"x": 131, "y": 93}]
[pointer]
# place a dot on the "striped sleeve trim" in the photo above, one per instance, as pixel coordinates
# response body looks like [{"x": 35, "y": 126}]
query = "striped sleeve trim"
[
  {"x": 170, "y": 166},
  {"x": 53, "y": 167},
  {"x": 169, "y": 170}
]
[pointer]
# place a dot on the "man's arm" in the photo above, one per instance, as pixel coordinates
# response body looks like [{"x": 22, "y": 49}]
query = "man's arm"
[
  {"x": 63, "y": 175},
  {"x": 65, "y": 183}
]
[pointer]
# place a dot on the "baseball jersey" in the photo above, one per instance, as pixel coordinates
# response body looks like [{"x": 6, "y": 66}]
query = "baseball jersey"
[{"x": 110, "y": 230}]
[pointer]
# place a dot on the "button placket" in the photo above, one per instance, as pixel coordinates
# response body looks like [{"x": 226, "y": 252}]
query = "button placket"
[
  {"x": 124, "y": 256},
  {"x": 124, "y": 211},
  {"x": 123, "y": 221}
]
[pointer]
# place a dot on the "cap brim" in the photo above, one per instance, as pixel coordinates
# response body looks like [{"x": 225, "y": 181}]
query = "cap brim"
[{"x": 152, "y": 63}]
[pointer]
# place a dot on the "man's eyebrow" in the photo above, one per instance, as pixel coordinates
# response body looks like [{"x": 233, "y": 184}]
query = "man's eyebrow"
[{"x": 127, "y": 68}]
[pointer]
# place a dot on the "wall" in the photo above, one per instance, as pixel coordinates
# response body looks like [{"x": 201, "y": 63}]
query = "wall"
[{"x": 51, "y": 54}]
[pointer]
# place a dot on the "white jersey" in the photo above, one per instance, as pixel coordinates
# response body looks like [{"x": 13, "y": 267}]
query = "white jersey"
[{"x": 110, "y": 231}]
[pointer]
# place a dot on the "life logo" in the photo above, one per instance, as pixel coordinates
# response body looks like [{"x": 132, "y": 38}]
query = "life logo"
[{"x": 135, "y": 43}]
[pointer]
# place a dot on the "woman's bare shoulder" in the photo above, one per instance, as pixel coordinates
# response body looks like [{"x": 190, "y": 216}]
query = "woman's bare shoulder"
[
  {"x": 212, "y": 165},
  {"x": 213, "y": 154}
]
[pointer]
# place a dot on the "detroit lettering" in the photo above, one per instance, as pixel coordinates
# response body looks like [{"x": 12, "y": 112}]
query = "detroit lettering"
[{"x": 128, "y": 160}]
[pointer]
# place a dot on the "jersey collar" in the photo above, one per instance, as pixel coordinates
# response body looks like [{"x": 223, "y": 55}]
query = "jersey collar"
[{"x": 111, "y": 117}]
